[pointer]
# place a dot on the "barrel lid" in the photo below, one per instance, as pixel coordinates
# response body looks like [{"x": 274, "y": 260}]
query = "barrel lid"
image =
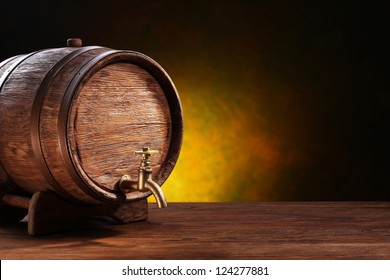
[{"x": 119, "y": 108}]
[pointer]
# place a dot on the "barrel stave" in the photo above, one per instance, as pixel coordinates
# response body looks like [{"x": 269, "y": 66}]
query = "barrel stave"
[{"x": 17, "y": 97}]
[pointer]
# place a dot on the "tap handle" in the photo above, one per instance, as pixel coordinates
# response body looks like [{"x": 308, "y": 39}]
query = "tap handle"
[{"x": 146, "y": 152}]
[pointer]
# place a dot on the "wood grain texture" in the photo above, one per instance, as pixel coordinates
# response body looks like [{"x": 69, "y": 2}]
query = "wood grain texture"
[
  {"x": 119, "y": 110},
  {"x": 16, "y": 99},
  {"x": 282, "y": 230},
  {"x": 71, "y": 118},
  {"x": 50, "y": 132}
]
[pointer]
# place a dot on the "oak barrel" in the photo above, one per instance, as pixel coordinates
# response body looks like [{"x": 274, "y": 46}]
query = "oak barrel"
[{"x": 72, "y": 117}]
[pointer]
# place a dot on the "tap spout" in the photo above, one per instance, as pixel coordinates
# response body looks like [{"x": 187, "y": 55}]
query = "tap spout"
[
  {"x": 144, "y": 182},
  {"x": 157, "y": 193}
]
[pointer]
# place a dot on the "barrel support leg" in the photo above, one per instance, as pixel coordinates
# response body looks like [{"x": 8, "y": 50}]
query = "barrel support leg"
[
  {"x": 12, "y": 208},
  {"x": 50, "y": 213}
]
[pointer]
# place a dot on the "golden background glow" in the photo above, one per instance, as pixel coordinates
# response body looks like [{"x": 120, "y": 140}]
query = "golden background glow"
[
  {"x": 282, "y": 100},
  {"x": 230, "y": 151}
]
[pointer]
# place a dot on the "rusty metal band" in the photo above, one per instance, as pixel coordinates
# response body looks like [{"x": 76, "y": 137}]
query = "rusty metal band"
[
  {"x": 36, "y": 114},
  {"x": 7, "y": 180},
  {"x": 91, "y": 68}
]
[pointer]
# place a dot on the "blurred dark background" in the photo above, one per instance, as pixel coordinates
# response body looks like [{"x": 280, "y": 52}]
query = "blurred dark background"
[{"x": 283, "y": 100}]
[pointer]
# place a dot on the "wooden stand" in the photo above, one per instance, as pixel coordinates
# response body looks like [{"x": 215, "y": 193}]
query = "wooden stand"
[{"x": 49, "y": 213}]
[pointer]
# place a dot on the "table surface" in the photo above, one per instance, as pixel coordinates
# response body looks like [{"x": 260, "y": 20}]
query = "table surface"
[{"x": 277, "y": 230}]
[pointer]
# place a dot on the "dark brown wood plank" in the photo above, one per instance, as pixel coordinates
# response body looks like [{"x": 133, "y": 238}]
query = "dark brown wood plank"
[{"x": 280, "y": 230}]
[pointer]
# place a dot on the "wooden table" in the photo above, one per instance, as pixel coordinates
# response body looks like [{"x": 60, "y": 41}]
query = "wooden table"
[{"x": 280, "y": 230}]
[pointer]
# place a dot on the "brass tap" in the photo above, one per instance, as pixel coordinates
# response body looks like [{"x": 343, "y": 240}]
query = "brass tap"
[{"x": 145, "y": 182}]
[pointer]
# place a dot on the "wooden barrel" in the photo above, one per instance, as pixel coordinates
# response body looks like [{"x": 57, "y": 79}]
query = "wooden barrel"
[{"x": 72, "y": 117}]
